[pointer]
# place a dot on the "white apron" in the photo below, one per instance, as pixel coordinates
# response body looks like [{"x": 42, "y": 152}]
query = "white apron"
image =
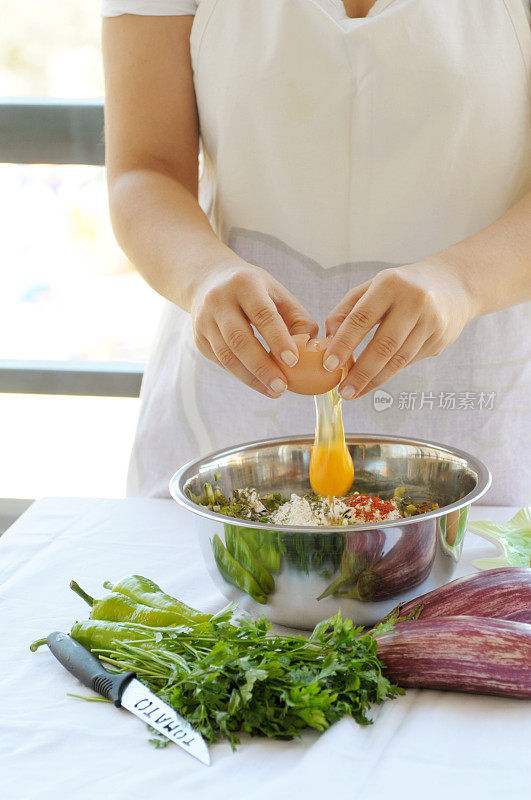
[{"x": 333, "y": 148}]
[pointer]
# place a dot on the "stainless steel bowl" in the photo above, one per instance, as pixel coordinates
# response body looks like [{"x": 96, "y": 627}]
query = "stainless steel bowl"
[{"x": 364, "y": 570}]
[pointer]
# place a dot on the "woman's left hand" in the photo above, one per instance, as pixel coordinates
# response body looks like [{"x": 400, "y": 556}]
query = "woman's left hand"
[{"x": 419, "y": 309}]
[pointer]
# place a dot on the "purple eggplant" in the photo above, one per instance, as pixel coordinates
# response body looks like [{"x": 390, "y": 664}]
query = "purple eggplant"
[
  {"x": 362, "y": 549},
  {"x": 501, "y": 593},
  {"x": 519, "y": 616},
  {"x": 407, "y": 564},
  {"x": 461, "y": 654}
]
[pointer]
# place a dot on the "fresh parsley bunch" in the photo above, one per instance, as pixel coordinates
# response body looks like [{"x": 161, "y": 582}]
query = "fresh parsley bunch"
[{"x": 227, "y": 678}]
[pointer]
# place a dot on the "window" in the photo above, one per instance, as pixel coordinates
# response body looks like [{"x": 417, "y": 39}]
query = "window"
[
  {"x": 68, "y": 291},
  {"x": 69, "y": 296}
]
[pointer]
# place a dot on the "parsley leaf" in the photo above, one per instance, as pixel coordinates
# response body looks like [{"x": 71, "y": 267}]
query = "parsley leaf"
[{"x": 227, "y": 677}]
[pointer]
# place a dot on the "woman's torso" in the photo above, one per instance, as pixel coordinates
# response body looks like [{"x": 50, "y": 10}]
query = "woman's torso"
[{"x": 335, "y": 147}]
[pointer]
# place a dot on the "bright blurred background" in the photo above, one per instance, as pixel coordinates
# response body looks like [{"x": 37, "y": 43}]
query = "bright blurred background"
[{"x": 68, "y": 293}]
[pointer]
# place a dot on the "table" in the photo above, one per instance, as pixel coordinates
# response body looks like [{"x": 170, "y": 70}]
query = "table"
[{"x": 437, "y": 745}]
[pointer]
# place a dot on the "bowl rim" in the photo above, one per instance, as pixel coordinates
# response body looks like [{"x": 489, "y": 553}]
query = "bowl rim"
[{"x": 484, "y": 481}]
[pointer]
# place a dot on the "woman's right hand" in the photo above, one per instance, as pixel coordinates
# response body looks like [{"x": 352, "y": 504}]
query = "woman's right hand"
[{"x": 227, "y": 303}]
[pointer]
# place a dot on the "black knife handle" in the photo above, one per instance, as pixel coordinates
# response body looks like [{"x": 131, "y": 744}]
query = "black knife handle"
[{"x": 87, "y": 668}]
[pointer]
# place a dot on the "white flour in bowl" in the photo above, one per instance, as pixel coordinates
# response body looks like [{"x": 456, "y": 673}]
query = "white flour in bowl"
[{"x": 298, "y": 511}]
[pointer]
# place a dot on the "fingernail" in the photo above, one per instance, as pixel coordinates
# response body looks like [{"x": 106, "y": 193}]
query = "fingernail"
[
  {"x": 347, "y": 392},
  {"x": 331, "y": 363},
  {"x": 278, "y": 385},
  {"x": 289, "y": 358}
]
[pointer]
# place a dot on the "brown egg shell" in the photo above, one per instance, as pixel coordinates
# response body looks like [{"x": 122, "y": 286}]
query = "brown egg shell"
[{"x": 308, "y": 376}]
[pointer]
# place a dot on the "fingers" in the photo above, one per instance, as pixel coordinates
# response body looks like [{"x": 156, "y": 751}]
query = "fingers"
[
  {"x": 217, "y": 351},
  {"x": 418, "y": 312},
  {"x": 406, "y": 354},
  {"x": 295, "y": 316},
  {"x": 338, "y": 314},
  {"x": 366, "y": 313},
  {"x": 262, "y": 312},
  {"x": 386, "y": 349},
  {"x": 240, "y": 342},
  {"x": 237, "y": 303}
]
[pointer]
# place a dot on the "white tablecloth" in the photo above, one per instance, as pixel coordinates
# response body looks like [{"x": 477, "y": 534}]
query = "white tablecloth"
[{"x": 437, "y": 745}]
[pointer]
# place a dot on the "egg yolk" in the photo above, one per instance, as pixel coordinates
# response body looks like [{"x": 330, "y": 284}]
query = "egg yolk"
[{"x": 331, "y": 467}]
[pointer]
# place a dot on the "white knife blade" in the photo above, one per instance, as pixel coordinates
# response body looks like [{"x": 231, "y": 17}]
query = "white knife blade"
[
  {"x": 139, "y": 700},
  {"x": 125, "y": 690}
]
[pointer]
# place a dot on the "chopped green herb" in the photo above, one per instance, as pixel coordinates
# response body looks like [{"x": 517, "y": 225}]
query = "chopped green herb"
[
  {"x": 407, "y": 507},
  {"x": 249, "y": 505},
  {"x": 96, "y": 699},
  {"x": 227, "y": 678},
  {"x": 158, "y": 740}
]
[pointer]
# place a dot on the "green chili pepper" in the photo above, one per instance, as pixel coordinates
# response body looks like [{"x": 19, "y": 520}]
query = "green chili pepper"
[
  {"x": 144, "y": 591},
  {"x": 250, "y": 535},
  {"x": 262, "y": 545},
  {"x": 117, "y": 607},
  {"x": 268, "y": 553},
  {"x": 97, "y": 634},
  {"x": 234, "y": 573},
  {"x": 240, "y": 550}
]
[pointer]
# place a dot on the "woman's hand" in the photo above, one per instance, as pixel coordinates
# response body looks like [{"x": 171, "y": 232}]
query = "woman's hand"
[
  {"x": 419, "y": 309},
  {"x": 227, "y": 303}
]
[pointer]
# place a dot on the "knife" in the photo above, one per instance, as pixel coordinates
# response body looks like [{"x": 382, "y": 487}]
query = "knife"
[{"x": 127, "y": 692}]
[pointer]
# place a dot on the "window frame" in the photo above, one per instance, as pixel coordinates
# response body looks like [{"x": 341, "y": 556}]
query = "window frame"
[{"x": 36, "y": 130}]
